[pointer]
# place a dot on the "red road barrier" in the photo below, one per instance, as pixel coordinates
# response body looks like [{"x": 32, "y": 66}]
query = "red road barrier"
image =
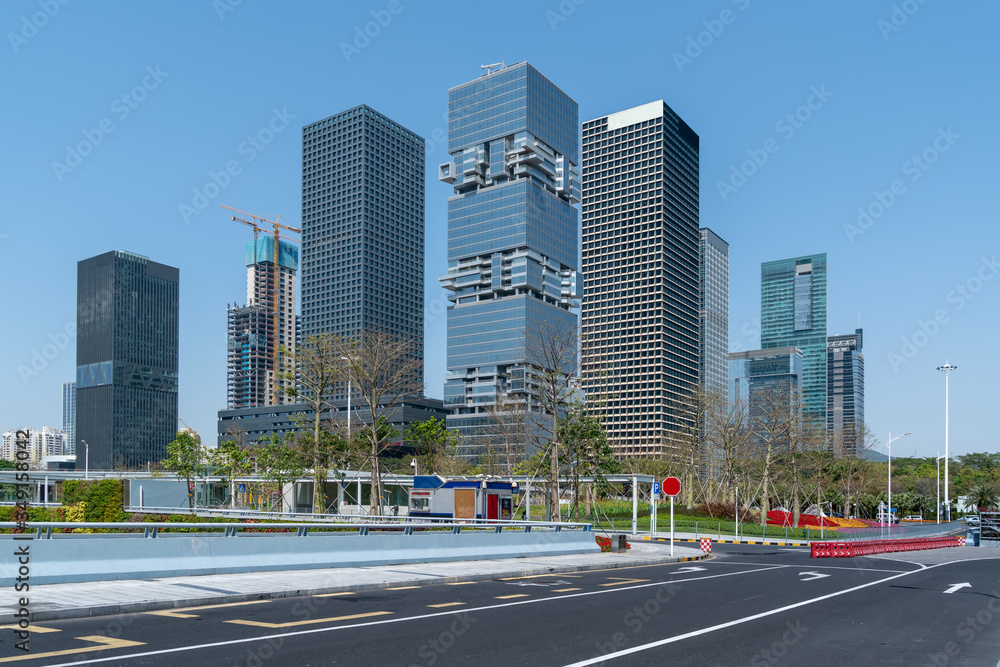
[{"x": 871, "y": 547}]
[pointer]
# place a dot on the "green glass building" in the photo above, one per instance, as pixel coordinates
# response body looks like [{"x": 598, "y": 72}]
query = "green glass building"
[{"x": 793, "y": 314}]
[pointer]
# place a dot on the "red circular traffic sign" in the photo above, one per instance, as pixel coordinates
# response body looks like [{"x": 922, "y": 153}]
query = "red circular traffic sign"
[{"x": 671, "y": 486}]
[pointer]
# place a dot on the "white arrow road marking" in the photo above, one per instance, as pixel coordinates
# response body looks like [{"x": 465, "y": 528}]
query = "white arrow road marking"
[
  {"x": 954, "y": 587},
  {"x": 691, "y": 568},
  {"x": 557, "y": 582},
  {"x": 812, "y": 575}
]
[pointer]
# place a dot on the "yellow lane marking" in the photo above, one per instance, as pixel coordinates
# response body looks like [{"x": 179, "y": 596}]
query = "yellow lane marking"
[
  {"x": 179, "y": 613},
  {"x": 402, "y": 588},
  {"x": 623, "y": 582},
  {"x": 104, "y": 643},
  {"x": 459, "y": 583},
  {"x": 31, "y": 628},
  {"x": 445, "y": 604},
  {"x": 292, "y": 624},
  {"x": 565, "y": 590},
  {"x": 331, "y": 595},
  {"x": 510, "y": 597},
  {"x": 560, "y": 575}
]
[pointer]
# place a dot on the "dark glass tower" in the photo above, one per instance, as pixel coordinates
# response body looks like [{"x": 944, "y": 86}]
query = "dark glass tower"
[
  {"x": 363, "y": 228},
  {"x": 793, "y": 313},
  {"x": 845, "y": 392},
  {"x": 513, "y": 242},
  {"x": 126, "y": 356},
  {"x": 640, "y": 266},
  {"x": 713, "y": 311}
]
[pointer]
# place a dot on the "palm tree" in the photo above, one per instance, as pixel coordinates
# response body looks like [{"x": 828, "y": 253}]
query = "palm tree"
[{"x": 983, "y": 496}]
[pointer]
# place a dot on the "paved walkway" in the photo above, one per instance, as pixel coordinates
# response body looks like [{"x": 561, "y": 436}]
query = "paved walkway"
[{"x": 56, "y": 601}]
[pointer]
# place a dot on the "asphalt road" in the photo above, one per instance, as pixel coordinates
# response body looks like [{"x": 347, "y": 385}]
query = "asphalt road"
[{"x": 748, "y": 605}]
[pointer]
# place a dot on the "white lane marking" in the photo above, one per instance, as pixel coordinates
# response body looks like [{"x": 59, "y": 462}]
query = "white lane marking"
[
  {"x": 691, "y": 569},
  {"x": 401, "y": 619},
  {"x": 740, "y": 621},
  {"x": 955, "y": 587},
  {"x": 826, "y": 567},
  {"x": 812, "y": 575}
]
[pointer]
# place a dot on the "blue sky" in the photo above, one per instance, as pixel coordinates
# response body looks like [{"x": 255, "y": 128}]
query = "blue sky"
[{"x": 807, "y": 112}]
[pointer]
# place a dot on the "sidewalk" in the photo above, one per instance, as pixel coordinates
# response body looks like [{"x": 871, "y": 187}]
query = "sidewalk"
[
  {"x": 100, "y": 598},
  {"x": 728, "y": 539}
]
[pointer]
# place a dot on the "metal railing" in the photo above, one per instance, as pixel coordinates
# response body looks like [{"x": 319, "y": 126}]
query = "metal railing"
[{"x": 404, "y": 525}]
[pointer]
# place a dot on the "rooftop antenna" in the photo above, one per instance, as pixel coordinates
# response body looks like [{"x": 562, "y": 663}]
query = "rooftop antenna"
[{"x": 489, "y": 68}]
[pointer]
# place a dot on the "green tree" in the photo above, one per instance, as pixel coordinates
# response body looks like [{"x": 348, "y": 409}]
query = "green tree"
[
  {"x": 279, "y": 461},
  {"x": 433, "y": 441},
  {"x": 586, "y": 451},
  {"x": 186, "y": 458},
  {"x": 231, "y": 461},
  {"x": 983, "y": 497}
]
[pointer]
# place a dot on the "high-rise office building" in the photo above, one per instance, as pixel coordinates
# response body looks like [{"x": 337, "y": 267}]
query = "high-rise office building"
[
  {"x": 845, "y": 392},
  {"x": 640, "y": 266},
  {"x": 513, "y": 243},
  {"x": 713, "y": 312},
  {"x": 252, "y": 380},
  {"x": 69, "y": 414},
  {"x": 363, "y": 228},
  {"x": 793, "y": 313},
  {"x": 765, "y": 383},
  {"x": 126, "y": 356}
]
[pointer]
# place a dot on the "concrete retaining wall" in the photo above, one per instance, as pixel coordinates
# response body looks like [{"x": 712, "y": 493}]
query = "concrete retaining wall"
[{"x": 65, "y": 559}]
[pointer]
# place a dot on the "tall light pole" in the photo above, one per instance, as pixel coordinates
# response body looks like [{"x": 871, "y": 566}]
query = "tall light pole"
[
  {"x": 888, "y": 446},
  {"x": 938, "y": 461},
  {"x": 86, "y": 460},
  {"x": 947, "y": 368},
  {"x": 348, "y": 401}
]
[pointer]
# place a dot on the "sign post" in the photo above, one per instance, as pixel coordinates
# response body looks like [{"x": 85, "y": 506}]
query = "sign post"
[
  {"x": 652, "y": 510},
  {"x": 671, "y": 487}
]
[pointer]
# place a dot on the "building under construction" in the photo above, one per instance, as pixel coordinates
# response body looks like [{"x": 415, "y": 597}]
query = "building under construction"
[{"x": 254, "y": 345}]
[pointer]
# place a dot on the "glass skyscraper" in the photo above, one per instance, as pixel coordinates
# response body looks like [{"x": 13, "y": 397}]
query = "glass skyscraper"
[
  {"x": 845, "y": 392},
  {"x": 713, "y": 312},
  {"x": 513, "y": 241},
  {"x": 640, "y": 265},
  {"x": 793, "y": 313},
  {"x": 363, "y": 228},
  {"x": 761, "y": 380},
  {"x": 126, "y": 356}
]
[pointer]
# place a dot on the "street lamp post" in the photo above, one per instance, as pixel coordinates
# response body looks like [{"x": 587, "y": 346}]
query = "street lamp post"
[
  {"x": 86, "y": 460},
  {"x": 947, "y": 368},
  {"x": 888, "y": 446},
  {"x": 938, "y": 462},
  {"x": 348, "y": 401}
]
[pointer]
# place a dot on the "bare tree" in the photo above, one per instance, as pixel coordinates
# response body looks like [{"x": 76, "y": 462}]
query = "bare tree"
[
  {"x": 553, "y": 359},
  {"x": 382, "y": 371},
  {"x": 317, "y": 373},
  {"x": 772, "y": 419}
]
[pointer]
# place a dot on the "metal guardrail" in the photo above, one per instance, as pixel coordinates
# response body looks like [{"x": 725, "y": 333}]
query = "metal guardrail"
[{"x": 406, "y": 525}]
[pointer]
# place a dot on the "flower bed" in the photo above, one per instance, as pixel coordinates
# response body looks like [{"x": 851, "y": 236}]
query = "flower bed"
[{"x": 605, "y": 543}]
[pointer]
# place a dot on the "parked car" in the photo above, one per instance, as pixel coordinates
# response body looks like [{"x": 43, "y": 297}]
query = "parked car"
[
  {"x": 913, "y": 517},
  {"x": 885, "y": 517},
  {"x": 971, "y": 520}
]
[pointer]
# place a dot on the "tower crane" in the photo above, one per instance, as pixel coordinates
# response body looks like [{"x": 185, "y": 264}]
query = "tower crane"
[{"x": 258, "y": 223}]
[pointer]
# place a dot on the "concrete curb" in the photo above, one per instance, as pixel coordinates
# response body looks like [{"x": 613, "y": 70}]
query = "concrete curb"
[
  {"x": 160, "y": 605},
  {"x": 715, "y": 541}
]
